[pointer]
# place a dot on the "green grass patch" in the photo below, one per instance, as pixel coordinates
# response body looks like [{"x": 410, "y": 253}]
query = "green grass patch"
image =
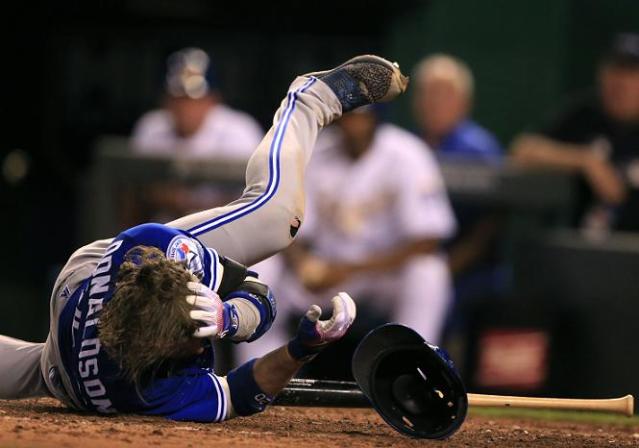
[{"x": 571, "y": 416}]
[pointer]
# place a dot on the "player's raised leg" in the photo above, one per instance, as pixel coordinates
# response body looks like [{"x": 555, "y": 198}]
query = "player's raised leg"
[{"x": 265, "y": 219}]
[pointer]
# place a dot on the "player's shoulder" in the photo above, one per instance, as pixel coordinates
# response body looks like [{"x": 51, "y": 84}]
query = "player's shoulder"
[
  {"x": 390, "y": 134},
  {"x": 327, "y": 146},
  {"x": 155, "y": 118},
  {"x": 580, "y": 104},
  {"x": 235, "y": 118},
  {"x": 478, "y": 139},
  {"x": 150, "y": 228},
  {"x": 404, "y": 147},
  {"x": 178, "y": 245},
  {"x": 156, "y": 235}
]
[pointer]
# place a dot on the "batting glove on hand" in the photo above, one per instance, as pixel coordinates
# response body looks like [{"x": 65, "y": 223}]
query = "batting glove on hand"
[
  {"x": 313, "y": 334},
  {"x": 215, "y": 318}
]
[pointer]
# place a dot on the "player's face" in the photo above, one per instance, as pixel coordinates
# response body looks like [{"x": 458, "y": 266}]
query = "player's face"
[
  {"x": 439, "y": 106},
  {"x": 619, "y": 89},
  {"x": 188, "y": 113},
  {"x": 358, "y": 129}
]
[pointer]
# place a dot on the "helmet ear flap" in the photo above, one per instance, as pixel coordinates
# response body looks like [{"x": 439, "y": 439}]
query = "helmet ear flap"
[{"x": 413, "y": 385}]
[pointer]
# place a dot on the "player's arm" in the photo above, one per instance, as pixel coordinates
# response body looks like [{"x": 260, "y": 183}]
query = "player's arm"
[
  {"x": 245, "y": 313},
  {"x": 537, "y": 150},
  {"x": 317, "y": 273},
  {"x": 255, "y": 384},
  {"x": 558, "y": 142},
  {"x": 199, "y": 395},
  {"x": 396, "y": 257}
]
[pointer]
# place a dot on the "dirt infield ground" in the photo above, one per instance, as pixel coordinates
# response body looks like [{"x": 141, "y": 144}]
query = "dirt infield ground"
[{"x": 44, "y": 423}]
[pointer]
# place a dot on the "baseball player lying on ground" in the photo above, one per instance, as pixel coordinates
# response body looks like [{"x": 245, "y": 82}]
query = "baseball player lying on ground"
[{"x": 132, "y": 318}]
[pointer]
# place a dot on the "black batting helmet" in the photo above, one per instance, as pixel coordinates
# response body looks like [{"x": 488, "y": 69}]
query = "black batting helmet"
[{"x": 413, "y": 384}]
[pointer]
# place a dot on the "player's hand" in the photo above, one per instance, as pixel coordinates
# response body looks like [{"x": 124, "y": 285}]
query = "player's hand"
[
  {"x": 314, "y": 334},
  {"x": 214, "y": 317},
  {"x": 317, "y": 274}
]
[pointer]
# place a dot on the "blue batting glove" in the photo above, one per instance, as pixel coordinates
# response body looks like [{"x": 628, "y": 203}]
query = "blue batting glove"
[{"x": 313, "y": 335}]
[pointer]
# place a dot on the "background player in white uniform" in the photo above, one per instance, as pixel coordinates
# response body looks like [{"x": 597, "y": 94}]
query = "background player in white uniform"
[
  {"x": 194, "y": 122},
  {"x": 377, "y": 210},
  {"x": 76, "y": 367}
]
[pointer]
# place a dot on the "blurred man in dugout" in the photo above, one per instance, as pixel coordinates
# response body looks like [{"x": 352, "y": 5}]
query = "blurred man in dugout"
[
  {"x": 376, "y": 215},
  {"x": 193, "y": 123},
  {"x": 596, "y": 135},
  {"x": 442, "y": 102}
]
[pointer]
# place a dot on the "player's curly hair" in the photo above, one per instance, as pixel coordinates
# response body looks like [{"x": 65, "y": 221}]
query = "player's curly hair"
[{"x": 146, "y": 323}]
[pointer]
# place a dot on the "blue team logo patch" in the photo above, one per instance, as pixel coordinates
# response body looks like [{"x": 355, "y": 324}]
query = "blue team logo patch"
[{"x": 183, "y": 249}]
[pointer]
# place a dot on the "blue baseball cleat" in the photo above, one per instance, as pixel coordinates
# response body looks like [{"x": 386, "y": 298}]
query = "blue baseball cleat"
[{"x": 363, "y": 80}]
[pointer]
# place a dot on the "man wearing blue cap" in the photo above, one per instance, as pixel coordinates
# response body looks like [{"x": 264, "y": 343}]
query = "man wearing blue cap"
[{"x": 194, "y": 121}]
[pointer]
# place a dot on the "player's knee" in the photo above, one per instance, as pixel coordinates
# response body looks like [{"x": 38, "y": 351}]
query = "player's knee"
[{"x": 285, "y": 228}]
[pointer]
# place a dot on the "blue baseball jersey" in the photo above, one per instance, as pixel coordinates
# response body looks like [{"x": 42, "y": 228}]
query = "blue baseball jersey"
[
  {"x": 471, "y": 142},
  {"x": 194, "y": 393}
]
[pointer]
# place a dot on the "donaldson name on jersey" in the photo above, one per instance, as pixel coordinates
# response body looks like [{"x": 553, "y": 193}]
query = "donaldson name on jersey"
[{"x": 193, "y": 394}]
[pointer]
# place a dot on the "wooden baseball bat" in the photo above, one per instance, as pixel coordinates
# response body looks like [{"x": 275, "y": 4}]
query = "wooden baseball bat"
[
  {"x": 310, "y": 392},
  {"x": 622, "y": 405}
]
